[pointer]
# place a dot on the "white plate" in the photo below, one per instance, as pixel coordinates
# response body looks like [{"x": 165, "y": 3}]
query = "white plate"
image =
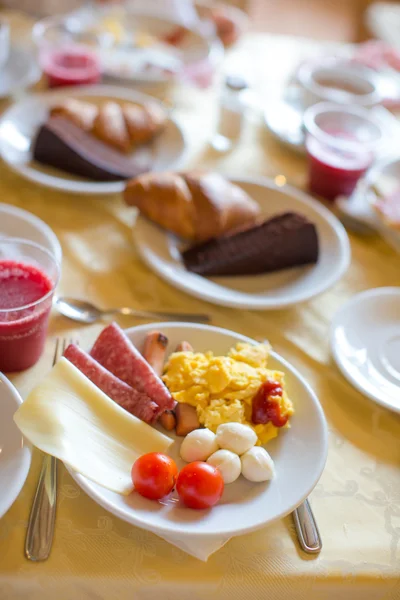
[
  {"x": 160, "y": 251},
  {"x": 359, "y": 207},
  {"x": 299, "y": 454},
  {"x": 15, "y": 453},
  {"x": 19, "y": 223},
  {"x": 20, "y": 71},
  {"x": 365, "y": 342},
  {"x": 20, "y": 123}
]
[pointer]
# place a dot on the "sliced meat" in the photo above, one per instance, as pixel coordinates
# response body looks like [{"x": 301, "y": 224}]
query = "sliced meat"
[
  {"x": 186, "y": 418},
  {"x": 184, "y": 347},
  {"x": 155, "y": 347},
  {"x": 117, "y": 354},
  {"x": 136, "y": 403}
]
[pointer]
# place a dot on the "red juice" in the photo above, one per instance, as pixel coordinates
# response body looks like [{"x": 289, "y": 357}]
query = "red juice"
[
  {"x": 70, "y": 66},
  {"x": 333, "y": 171},
  {"x": 23, "y": 327}
]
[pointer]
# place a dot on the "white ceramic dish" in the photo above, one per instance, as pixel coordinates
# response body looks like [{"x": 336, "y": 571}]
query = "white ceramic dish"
[
  {"x": 15, "y": 453},
  {"x": 340, "y": 81},
  {"x": 299, "y": 454},
  {"x": 123, "y": 62},
  {"x": 359, "y": 207},
  {"x": 20, "y": 123},
  {"x": 160, "y": 251},
  {"x": 19, "y": 71},
  {"x": 365, "y": 342},
  {"x": 18, "y": 223}
]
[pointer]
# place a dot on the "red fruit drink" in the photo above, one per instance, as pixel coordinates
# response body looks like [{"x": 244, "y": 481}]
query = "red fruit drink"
[
  {"x": 28, "y": 276},
  {"x": 334, "y": 172},
  {"x": 72, "y": 65}
]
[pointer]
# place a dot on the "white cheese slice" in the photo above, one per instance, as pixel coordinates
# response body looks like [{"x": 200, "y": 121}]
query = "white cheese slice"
[{"x": 67, "y": 416}]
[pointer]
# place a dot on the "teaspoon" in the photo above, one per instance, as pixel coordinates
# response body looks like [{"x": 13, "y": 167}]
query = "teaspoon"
[{"x": 85, "y": 312}]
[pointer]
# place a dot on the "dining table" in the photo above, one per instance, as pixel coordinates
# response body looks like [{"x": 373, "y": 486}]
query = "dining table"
[{"x": 96, "y": 556}]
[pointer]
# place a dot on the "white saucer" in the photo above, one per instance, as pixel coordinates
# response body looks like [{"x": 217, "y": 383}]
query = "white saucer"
[
  {"x": 365, "y": 342},
  {"x": 20, "y": 71},
  {"x": 15, "y": 453},
  {"x": 284, "y": 119},
  {"x": 20, "y": 123},
  {"x": 160, "y": 251}
]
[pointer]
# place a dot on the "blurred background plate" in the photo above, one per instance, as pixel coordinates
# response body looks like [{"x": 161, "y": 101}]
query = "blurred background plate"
[{"x": 15, "y": 453}]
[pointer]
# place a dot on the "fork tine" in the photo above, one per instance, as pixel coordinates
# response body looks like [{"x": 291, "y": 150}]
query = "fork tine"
[{"x": 55, "y": 357}]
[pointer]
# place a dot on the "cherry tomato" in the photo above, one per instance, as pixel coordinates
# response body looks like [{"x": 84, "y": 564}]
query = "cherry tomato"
[
  {"x": 199, "y": 485},
  {"x": 154, "y": 475}
]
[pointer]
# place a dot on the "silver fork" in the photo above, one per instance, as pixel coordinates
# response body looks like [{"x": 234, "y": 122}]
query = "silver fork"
[
  {"x": 39, "y": 537},
  {"x": 307, "y": 528}
]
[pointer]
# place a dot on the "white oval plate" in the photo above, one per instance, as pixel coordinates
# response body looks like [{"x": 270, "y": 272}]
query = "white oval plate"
[
  {"x": 299, "y": 454},
  {"x": 160, "y": 251},
  {"x": 19, "y": 223},
  {"x": 20, "y": 123},
  {"x": 365, "y": 342},
  {"x": 15, "y": 453}
]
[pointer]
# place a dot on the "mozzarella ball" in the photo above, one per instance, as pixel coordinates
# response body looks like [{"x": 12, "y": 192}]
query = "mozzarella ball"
[
  {"x": 198, "y": 445},
  {"x": 227, "y": 463},
  {"x": 257, "y": 465},
  {"x": 236, "y": 437}
]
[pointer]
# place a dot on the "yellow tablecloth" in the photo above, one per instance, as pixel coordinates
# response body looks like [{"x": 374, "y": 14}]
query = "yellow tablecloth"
[{"x": 356, "y": 503}]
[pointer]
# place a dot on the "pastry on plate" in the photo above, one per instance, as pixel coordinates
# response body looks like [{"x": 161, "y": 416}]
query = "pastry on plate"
[
  {"x": 287, "y": 240},
  {"x": 196, "y": 206},
  {"x": 122, "y": 126}
]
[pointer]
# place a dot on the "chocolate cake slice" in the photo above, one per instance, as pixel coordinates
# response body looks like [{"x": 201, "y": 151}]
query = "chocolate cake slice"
[
  {"x": 287, "y": 240},
  {"x": 62, "y": 144}
]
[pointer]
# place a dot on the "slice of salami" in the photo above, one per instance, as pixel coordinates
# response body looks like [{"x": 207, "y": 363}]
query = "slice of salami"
[
  {"x": 136, "y": 403},
  {"x": 115, "y": 352}
]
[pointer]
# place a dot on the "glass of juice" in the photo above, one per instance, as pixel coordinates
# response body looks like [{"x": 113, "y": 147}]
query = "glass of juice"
[
  {"x": 28, "y": 277},
  {"x": 68, "y": 55},
  {"x": 341, "y": 142}
]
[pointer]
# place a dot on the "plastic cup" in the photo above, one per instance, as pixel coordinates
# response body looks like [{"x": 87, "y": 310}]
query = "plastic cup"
[
  {"x": 67, "y": 55},
  {"x": 28, "y": 277},
  {"x": 341, "y": 142}
]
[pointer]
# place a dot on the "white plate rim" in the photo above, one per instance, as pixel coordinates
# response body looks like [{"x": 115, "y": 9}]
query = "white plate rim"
[
  {"x": 375, "y": 292},
  {"x": 240, "y": 530},
  {"x": 87, "y": 187},
  {"x": 266, "y": 304},
  {"x": 18, "y": 401}
]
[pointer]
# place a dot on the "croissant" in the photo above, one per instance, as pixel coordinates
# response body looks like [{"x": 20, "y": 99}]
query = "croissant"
[
  {"x": 120, "y": 126},
  {"x": 196, "y": 206}
]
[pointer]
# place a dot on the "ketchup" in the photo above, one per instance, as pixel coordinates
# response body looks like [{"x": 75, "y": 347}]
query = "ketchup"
[{"x": 265, "y": 408}]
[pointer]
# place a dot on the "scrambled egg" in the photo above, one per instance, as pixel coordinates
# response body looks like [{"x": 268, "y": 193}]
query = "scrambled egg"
[{"x": 222, "y": 388}]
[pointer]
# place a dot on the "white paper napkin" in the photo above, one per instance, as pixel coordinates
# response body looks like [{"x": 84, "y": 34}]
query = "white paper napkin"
[{"x": 200, "y": 548}]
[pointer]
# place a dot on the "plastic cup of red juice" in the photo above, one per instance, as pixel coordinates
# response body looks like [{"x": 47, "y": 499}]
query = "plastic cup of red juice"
[
  {"x": 341, "y": 142},
  {"x": 28, "y": 277},
  {"x": 68, "y": 54}
]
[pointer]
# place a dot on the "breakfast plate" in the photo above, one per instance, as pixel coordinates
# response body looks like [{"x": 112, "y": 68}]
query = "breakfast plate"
[
  {"x": 365, "y": 342},
  {"x": 16, "y": 222},
  {"x": 299, "y": 454},
  {"x": 20, "y": 124},
  {"x": 160, "y": 251},
  {"x": 15, "y": 453},
  {"x": 134, "y": 47}
]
